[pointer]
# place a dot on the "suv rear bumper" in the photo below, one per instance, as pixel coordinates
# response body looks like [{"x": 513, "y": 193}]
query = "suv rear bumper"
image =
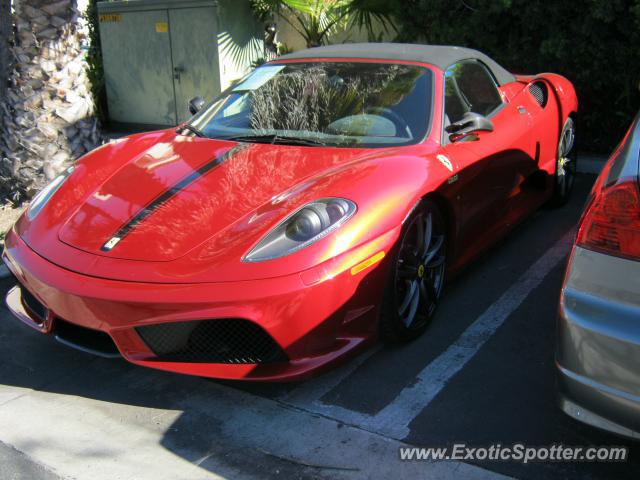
[{"x": 598, "y": 342}]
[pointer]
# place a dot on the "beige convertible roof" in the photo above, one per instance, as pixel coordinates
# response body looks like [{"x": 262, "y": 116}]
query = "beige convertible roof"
[{"x": 441, "y": 56}]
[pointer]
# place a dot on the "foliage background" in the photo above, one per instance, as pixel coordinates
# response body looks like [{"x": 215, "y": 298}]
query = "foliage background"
[{"x": 594, "y": 43}]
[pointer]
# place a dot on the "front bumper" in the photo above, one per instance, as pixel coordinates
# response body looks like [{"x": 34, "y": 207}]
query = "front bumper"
[
  {"x": 598, "y": 342},
  {"x": 316, "y": 317}
]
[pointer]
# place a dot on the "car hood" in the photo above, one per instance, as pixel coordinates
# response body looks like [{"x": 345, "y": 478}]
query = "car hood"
[
  {"x": 168, "y": 200},
  {"x": 196, "y": 204}
]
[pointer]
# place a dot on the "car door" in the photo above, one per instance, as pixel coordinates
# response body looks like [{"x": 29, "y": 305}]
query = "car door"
[{"x": 492, "y": 166}]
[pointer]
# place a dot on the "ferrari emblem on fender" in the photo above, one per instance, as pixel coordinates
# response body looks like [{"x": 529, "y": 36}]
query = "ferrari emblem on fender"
[{"x": 445, "y": 161}]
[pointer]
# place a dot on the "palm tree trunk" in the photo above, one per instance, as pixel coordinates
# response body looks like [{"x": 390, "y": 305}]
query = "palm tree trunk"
[
  {"x": 6, "y": 32},
  {"x": 47, "y": 116}
]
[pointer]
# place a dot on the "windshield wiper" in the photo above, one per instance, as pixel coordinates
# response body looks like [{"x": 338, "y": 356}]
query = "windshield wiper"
[
  {"x": 192, "y": 129},
  {"x": 274, "y": 138}
]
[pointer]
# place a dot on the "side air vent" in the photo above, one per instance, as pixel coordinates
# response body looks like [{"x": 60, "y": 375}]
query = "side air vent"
[{"x": 540, "y": 92}]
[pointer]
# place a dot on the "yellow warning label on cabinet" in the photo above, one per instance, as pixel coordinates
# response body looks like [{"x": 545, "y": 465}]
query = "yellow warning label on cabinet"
[
  {"x": 162, "y": 27},
  {"x": 110, "y": 17}
]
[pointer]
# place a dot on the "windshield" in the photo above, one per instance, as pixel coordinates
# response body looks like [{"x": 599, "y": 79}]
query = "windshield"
[{"x": 324, "y": 103}]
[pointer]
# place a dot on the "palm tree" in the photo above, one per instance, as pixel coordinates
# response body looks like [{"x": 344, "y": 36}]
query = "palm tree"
[
  {"x": 47, "y": 116},
  {"x": 314, "y": 20},
  {"x": 5, "y": 34}
]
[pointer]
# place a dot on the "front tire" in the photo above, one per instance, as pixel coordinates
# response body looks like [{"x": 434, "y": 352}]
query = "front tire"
[
  {"x": 416, "y": 275},
  {"x": 566, "y": 165}
]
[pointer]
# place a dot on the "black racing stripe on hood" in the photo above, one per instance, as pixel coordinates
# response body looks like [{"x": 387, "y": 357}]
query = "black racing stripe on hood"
[{"x": 164, "y": 197}]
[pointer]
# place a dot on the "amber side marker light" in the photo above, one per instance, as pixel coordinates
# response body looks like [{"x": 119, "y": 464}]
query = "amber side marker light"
[{"x": 367, "y": 263}]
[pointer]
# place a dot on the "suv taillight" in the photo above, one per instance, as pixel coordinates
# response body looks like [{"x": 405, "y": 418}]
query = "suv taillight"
[{"x": 611, "y": 223}]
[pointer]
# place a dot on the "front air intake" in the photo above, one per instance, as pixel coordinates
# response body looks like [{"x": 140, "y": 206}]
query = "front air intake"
[
  {"x": 33, "y": 304},
  {"x": 226, "y": 340},
  {"x": 540, "y": 92}
]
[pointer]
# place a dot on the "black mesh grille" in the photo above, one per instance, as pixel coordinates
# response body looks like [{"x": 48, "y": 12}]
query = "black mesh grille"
[
  {"x": 227, "y": 340},
  {"x": 539, "y": 92}
]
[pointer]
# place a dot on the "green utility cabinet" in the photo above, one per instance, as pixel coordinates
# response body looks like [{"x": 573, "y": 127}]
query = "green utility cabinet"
[{"x": 158, "y": 54}]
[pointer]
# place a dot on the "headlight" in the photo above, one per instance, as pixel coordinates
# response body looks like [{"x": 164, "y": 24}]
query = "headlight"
[
  {"x": 46, "y": 193},
  {"x": 305, "y": 226}
]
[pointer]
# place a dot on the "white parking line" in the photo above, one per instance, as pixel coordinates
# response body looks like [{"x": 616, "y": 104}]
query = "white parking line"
[
  {"x": 591, "y": 163},
  {"x": 394, "y": 419}
]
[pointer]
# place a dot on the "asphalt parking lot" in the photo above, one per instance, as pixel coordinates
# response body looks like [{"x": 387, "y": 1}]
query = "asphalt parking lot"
[{"x": 482, "y": 374}]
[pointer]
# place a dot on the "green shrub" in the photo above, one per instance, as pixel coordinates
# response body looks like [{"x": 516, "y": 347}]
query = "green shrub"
[{"x": 594, "y": 43}]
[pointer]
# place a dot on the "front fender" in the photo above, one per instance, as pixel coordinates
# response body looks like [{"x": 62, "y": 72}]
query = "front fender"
[{"x": 384, "y": 189}]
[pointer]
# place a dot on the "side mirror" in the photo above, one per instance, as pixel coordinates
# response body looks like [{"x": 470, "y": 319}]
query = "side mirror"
[
  {"x": 196, "y": 104},
  {"x": 469, "y": 124}
]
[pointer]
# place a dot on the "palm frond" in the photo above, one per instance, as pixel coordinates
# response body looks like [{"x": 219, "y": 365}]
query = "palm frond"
[
  {"x": 317, "y": 19},
  {"x": 367, "y": 14},
  {"x": 265, "y": 9},
  {"x": 239, "y": 53}
]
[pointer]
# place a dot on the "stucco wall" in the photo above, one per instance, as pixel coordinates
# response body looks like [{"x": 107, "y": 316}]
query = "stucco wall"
[
  {"x": 239, "y": 40},
  {"x": 294, "y": 41}
]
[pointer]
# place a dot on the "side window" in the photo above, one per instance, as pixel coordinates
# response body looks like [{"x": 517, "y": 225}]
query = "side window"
[
  {"x": 455, "y": 105},
  {"x": 469, "y": 87}
]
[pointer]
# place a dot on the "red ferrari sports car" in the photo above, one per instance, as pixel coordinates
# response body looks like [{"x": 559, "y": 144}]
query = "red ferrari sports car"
[{"x": 311, "y": 208}]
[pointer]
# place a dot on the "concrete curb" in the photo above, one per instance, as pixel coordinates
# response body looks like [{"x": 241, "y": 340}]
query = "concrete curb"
[
  {"x": 241, "y": 424},
  {"x": 17, "y": 466}
]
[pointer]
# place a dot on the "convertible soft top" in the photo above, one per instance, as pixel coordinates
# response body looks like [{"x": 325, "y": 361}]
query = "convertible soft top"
[{"x": 441, "y": 56}]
